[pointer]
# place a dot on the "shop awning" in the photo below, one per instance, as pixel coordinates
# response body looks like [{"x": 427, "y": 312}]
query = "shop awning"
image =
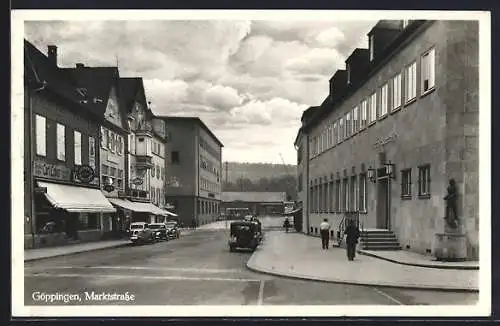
[
  {"x": 169, "y": 213},
  {"x": 76, "y": 199},
  {"x": 126, "y": 204}
]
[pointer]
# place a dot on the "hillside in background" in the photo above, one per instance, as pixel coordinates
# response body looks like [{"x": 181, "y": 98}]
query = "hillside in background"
[
  {"x": 255, "y": 171},
  {"x": 260, "y": 177}
]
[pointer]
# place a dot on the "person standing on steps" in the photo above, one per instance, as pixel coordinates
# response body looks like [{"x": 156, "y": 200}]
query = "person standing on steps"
[
  {"x": 352, "y": 237},
  {"x": 324, "y": 229}
]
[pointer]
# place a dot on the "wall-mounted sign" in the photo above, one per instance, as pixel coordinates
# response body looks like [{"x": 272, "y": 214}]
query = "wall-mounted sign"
[
  {"x": 211, "y": 195},
  {"x": 85, "y": 173},
  {"x": 137, "y": 181},
  {"x": 51, "y": 171},
  {"x": 108, "y": 188},
  {"x": 381, "y": 141}
]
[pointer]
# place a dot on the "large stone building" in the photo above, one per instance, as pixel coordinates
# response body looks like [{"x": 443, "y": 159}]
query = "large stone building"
[
  {"x": 63, "y": 202},
  {"x": 193, "y": 176},
  {"x": 264, "y": 203},
  {"x": 398, "y": 124}
]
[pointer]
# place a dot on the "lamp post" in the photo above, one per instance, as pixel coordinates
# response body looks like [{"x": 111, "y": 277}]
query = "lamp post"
[{"x": 389, "y": 170}]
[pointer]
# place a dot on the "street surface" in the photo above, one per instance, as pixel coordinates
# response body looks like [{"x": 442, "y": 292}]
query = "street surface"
[{"x": 197, "y": 269}]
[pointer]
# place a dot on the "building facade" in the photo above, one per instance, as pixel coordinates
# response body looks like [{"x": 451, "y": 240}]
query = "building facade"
[
  {"x": 103, "y": 83},
  {"x": 194, "y": 179},
  {"x": 62, "y": 197},
  {"x": 158, "y": 171},
  {"x": 389, "y": 138}
]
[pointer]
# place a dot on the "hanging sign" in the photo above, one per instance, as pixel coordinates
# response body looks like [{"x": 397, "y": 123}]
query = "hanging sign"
[
  {"x": 85, "y": 173},
  {"x": 137, "y": 181}
]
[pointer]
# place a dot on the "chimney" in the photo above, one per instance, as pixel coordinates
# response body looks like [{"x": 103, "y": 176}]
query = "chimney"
[
  {"x": 52, "y": 54},
  {"x": 80, "y": 65},
  {"x": 381, "y": 35},
  {"x": 356, "y": 65}
]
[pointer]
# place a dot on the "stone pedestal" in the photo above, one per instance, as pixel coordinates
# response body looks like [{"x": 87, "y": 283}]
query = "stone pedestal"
[{"x": 451, "y": 245}]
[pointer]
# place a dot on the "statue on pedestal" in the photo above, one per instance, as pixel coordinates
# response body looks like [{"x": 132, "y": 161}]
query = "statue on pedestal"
[{"x": 451, "y": 204}]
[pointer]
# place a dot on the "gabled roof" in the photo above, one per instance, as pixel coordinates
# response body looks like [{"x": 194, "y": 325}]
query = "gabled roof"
[
  {"x": 38, "y": 69},
  {"x": 253, "y": 197},
  {"x": 98, "y": 82},
  {"x": 130, "y": 90}
]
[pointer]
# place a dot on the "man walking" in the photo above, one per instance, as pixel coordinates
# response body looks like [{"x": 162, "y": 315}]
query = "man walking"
[
  {"x": 352, "y": 232},
  {"x": 324, "y": 229}
]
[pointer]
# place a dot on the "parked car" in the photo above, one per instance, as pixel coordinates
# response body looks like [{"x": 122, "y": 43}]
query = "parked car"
[
  {"x": 159, "y": 230},
  {"x": 140, "y": 232},
  {"x": 173, "y": 231}
]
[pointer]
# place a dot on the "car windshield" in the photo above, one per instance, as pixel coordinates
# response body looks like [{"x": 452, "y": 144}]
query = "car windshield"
[
  {"x": 155, "y": 226},
  {"x": 137, "y": 226}
]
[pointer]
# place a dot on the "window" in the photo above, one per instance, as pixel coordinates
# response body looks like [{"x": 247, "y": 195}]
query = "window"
[
  {"x": 104, "y": 139},
  {"x": 330, "y": 197},
  {"x": 355, "y": 120},
  {"x": 348, "y": 68},
  {"x": 396, "y": 92},
  {"x": 428, "y": 73},
  {"x": 362, "y": 192},
  {"x": 318, "y": 145},
  {"x": 348, "y": 125},
  {"x": 424, "y": 180},
  {"x": 109, "y": 139},
  {"x": 370, "y": 40},
  {"x": 337, "y": 196},
  {"x": 175, "y": 157},
  {"x": 364, "y": 114},
  {"x": 373, "y": 108},
  {"x": 345, "y": 195},
  {"x": 352, "y": 193},
  {"x": 311, "y": 195},
  {"x": 384, "y": 97},
  {"x": 328, "y": 136},
  {"x": 162, "y": 173},
  {"x": 78, "y": 148},
  {"x": 41, "y": 135},
  {"x": 332, "y": 134},
  {"x": 341, "y": 129},
  {"x": 406, "y": 183},
  {"x": 153, "y": 170},
  {"x": 61, "y": 142},
  {"x": 411, "y": 82},
  {"x": 335, "y": 132},
  {"x": 92, "y": 152},
  {"x": 131, "y": 144}
]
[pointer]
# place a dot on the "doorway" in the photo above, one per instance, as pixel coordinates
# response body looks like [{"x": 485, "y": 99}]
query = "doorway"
[{"x": 383, "y": 203}]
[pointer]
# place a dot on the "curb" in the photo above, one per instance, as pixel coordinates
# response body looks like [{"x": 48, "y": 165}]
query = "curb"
[
  {"x": 362, "y": 252},
  {"x": 77, "y": 252},
  {"x": 339, "y": 281}
]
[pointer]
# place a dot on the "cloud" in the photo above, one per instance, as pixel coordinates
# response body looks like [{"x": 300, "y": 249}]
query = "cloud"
[{"x": 248, "y": 80}]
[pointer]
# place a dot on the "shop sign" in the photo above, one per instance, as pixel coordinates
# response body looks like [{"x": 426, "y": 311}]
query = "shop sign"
[
  {"x": 40, "y": 190},
  {"x": 85, "y": 173},
  {"x": 137, "y": 181},
  {"x": 381, "y": 141},
  {"x": 51, "y": 171}
]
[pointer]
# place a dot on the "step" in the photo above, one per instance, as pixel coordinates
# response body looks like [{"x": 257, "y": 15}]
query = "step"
[
  {"x": 380, "y": 242},
  {"x": 379, "y": 237},
  {"x": 380, "y": 246}
]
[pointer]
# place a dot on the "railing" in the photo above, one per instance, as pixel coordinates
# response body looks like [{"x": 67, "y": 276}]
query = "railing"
[{"x": 348, "y": 216}]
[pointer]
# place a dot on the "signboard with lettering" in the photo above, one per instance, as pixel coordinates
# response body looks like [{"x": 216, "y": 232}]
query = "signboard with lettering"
[
  {"x": 137, "y": 181},
  {"x": 85, "y": 173},
  {"x": 382, "y": 141},
  {"x": 52, "y": 171}
]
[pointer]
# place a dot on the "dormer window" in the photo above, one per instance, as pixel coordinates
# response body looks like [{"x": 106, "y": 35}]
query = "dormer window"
[{"x": 370, "y": 40}]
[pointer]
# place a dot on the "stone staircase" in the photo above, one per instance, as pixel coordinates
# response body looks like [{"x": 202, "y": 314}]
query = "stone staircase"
[{"x": 378, "y": 239}]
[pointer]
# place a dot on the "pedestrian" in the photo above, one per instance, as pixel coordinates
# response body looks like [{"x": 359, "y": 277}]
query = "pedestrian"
[
  {"x": 324, "y": 229},
  {"x": 286, "y": 224},
  {"x": 352, "y": 232}
]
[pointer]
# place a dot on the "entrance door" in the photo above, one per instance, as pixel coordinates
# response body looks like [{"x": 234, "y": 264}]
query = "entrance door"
[{"x": 383, "y": 207}]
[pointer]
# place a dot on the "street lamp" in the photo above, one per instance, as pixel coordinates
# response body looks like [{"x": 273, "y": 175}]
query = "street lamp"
[
  {"x": 389, "y": 169},
  {"x": 371, "y": 174}
]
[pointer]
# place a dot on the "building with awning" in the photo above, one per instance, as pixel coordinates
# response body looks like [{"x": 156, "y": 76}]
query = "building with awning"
[
  {"x": 143, "y": 210},
  {"x": 76, "y": 199}
]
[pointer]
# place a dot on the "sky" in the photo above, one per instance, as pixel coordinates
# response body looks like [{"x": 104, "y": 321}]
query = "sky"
[{"x": 248, "y": 80}]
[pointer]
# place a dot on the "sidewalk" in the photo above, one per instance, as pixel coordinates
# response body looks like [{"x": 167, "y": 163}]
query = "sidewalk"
[
  {"x": 49, "y": 252},
  {"x": 42, "y": 253},
  {"x": 299, "y": 256}
]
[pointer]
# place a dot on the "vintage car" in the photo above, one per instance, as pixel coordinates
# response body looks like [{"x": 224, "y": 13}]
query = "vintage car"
[
  {"x": 244, "y": 235},
  {"x": 173, "y": 231},
  {"x": 140, "y": 232},
  {"x": 159, "y": 230}
]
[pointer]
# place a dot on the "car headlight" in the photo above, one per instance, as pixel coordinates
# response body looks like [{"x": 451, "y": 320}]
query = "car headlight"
[{"x": 158, "y": 233}]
